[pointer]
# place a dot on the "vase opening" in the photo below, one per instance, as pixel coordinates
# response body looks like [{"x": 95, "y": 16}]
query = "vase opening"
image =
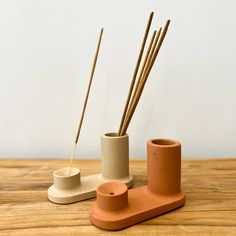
[
  {"x": 63, "y": 173},
  {"x": 114, "y": 135},
  {"x": 112, "y": 189},
  {"x": 164, "y": 142}
]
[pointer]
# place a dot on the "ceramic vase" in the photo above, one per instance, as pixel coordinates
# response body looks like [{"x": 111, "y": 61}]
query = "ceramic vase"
[{"x": 115, "y": 156}]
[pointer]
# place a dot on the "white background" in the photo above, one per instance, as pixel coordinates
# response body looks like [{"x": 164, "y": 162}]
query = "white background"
[{"x": 46, "y": 52}]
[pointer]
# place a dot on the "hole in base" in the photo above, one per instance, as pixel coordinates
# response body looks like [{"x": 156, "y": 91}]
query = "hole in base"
[{"x": 111, "y": 193}]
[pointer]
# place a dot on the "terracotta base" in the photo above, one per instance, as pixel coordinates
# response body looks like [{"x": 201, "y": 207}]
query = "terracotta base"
[
  {"x": 74, "y": 188},
  {"x": 117, "y": 208},
  {"x": 142, "y": 204}
]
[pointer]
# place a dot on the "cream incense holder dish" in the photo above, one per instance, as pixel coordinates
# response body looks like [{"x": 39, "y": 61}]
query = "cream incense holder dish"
[
  {"x": 115, "y": 167},
  {"x": 117, "y": 207}
]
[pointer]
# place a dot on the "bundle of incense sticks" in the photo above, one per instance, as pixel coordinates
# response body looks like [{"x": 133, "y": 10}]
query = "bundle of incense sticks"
[{"x": 150, "y": 57}]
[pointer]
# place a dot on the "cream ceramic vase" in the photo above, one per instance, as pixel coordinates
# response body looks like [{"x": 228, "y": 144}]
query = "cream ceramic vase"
[{"x": 115, "y": 156}]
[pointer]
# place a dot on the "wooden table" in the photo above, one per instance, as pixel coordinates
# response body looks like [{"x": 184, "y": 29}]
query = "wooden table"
[{"x": 210, "y": 209}]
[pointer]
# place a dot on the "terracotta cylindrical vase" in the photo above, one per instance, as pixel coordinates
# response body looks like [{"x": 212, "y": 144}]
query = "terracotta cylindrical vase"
[
  {"x": 112, "y": 196},
  {"x": 64, "y": 182},
  {"x": 115, "y": 156},
  {"x": 164, "y": 166}
]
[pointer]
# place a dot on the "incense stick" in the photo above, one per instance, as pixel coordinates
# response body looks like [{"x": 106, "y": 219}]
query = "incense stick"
[
  {"x": 143, "y": 81},
  {"x": 86, "y": 100},
  {"x": 146, "y": 62},
  {"x": 153, "y": 49},
  {"x": 148, "y": 57},
  {"x": 136, "y": 71}
]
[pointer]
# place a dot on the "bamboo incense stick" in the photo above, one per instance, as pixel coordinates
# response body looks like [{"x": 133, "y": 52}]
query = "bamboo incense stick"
[
  {"x": 86, "y": 100},
  {"x": 153, "y": 49},
  {"x": 136, "y": 71},
  {"x": 148, "y": 57},
  {"x": 143, "y": 81},
  {"x": 146, "y": 62}
]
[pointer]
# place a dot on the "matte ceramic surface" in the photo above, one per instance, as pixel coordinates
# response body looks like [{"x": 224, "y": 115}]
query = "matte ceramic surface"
[
  {"x": 112, "y": 196},
  {"x": 115, "y": 155},
  {"x": 163, "y": 166},
  {"x": 117, "y": 207},
  {"x": 115, "y": 167},
  {"x": 71, "y": 189}
]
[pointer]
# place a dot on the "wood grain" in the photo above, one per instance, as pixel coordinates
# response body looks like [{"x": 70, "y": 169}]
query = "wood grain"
[{"x": 210, "y": 209}]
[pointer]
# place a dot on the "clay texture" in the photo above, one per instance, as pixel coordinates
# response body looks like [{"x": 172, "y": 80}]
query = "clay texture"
[
  {"x": 163, "y": 166},
  {"x": 117, "y": 207},
  {"x": 115, "y": 155}
]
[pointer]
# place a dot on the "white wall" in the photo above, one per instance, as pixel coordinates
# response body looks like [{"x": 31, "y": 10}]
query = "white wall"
[{"x": 46, "y": 51}]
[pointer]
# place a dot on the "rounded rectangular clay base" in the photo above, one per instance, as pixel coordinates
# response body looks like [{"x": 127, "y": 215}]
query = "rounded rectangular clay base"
[
  {"x": 86, "y": 189},
  {"x": 142, "y": 205}
]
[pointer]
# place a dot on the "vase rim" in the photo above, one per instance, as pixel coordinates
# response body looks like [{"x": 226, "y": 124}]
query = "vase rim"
[
  {"x": 114, "y": 135},
  {"x": 163, "y": 142},
  {"x": 62, "y": 173},
  {"x": 112, "y": 189}
]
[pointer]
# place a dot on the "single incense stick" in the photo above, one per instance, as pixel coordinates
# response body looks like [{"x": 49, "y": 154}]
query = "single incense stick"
[
  {"x": 143, "y": 81},
  {"x": 136, "y": 71},
  {"x": 86, "y": 100}
]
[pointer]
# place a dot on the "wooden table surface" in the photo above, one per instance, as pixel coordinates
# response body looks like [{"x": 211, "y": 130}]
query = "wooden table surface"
[{"x": 210, "y": 209}]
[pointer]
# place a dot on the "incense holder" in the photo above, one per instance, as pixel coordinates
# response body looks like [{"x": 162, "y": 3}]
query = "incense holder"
[
  {"x": 115, "y": 167},
  {"x": 115, "y": 156},
  {"x": 117, "y": 207}
]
